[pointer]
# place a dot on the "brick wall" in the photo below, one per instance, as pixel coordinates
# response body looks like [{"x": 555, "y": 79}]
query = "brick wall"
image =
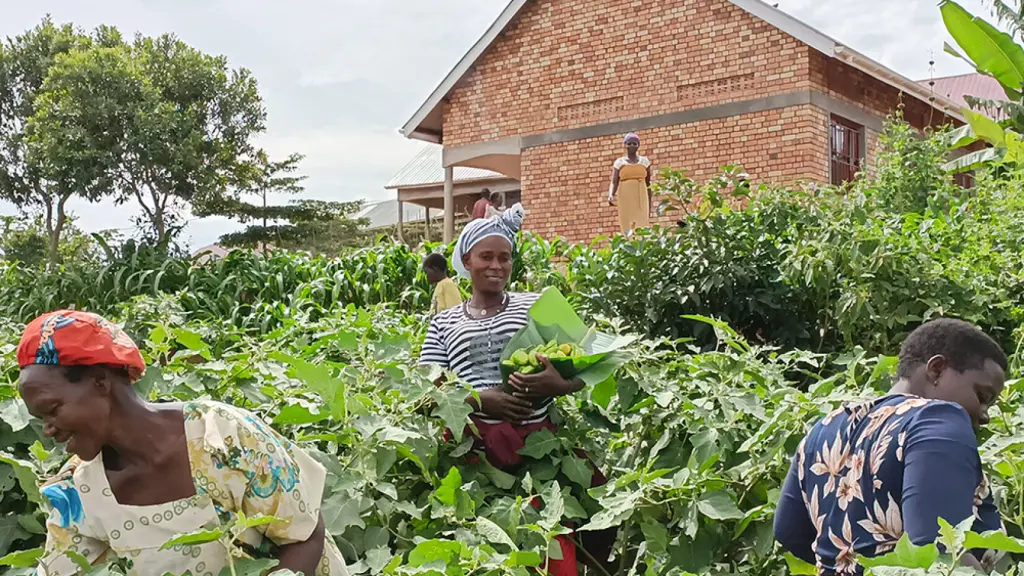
[
  {"x": 563, "y": 64},
  {"x": 565, "y": 186},
  {"x": 847, "y": 84},
  {"x": 853, "y": 86}
]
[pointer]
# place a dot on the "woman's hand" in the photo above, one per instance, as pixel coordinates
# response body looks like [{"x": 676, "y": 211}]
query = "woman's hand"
[
  {"x": 547, "y": 383},
  {"x": 304, "y": 557},
  {"x": 495, "y": 402}
]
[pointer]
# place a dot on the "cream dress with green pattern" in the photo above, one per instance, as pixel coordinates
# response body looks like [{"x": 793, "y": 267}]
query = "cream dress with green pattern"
[{"x": 238, "y": 463}]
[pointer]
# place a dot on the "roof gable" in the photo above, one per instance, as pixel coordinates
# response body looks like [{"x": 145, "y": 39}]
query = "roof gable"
[{"x": 426, "y": 123}]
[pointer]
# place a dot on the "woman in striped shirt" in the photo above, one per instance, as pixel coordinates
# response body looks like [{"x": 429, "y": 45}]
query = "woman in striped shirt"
[{"x": 469, "y": 340}]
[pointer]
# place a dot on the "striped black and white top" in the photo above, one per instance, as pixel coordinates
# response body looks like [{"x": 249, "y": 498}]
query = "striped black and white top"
[{"x": 471, "y": 347}]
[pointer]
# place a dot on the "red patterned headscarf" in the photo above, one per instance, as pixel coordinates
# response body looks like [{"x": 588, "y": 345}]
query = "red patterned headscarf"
[{"x": 74, "y": 338}]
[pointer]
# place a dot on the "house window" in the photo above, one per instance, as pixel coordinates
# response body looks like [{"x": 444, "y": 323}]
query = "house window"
[
  {"x": 847, "y": 150},
  {"x": 964, "y": 180},
  {"x": 513, "y": 197}
]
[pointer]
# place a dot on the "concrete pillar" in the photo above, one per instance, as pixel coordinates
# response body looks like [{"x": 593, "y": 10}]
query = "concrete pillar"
[
  {"x": 401, "y": 221},
  {"x": 449, "y": 204}
]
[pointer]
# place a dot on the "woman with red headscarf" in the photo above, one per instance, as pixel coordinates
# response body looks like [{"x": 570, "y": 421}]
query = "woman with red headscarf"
[{"x": 143, "y": 473}]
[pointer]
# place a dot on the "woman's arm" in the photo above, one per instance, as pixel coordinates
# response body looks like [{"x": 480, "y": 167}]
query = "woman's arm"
[
  {"x": 614, "y": 187},
  {"x": 940, "y": 443},
  {"x": 304, "y": 557},
  {"x": 650, "y": 195},
  {"x": 793, "y": 527}
]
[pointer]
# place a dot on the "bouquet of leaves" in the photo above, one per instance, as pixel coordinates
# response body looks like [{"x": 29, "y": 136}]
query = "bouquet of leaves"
[{"x": 576, "y": 350}]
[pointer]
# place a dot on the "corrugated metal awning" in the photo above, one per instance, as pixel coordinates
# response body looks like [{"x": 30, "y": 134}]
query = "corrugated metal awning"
[
  {"x": 383, "y": 214},
  {"x": 426, "y": 169}
]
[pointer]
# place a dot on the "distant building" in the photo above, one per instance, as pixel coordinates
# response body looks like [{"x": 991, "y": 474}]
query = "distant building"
[
  {"x": 419, "y": 186},
  {"x": 218, "y": 252},
  {"x": 211, "y": 252},
  {"x": 385, "y": 214},
  {"x": 955, "y": 88}
]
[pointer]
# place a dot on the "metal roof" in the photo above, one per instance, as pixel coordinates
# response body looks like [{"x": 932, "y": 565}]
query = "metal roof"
[
  {"x": 430, "y": 111},
  {"x": 425, "y": 169},
  {"x": 383, "y": 214},
  {"x": 977, "y": 85}
]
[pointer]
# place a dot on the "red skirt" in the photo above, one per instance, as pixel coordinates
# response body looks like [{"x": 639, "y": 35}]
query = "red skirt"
[{"x": 501, "y": 444}]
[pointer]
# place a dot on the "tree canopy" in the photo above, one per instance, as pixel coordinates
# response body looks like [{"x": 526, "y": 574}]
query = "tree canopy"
[{"x": 150, "y": 121}]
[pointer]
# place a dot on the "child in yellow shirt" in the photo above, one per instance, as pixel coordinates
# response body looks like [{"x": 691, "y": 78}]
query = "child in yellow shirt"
[{"x": 446, "y": 293}]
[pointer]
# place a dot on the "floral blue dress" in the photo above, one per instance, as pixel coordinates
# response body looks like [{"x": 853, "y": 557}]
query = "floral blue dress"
[{"x": 868, "y": 473}]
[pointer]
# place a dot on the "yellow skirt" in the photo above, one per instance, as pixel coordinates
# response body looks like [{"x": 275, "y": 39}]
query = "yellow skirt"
[{"x": 634, "y": 205}]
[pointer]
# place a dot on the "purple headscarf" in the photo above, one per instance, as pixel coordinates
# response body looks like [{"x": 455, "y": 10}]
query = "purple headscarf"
[{"x": 631, "y": 136}]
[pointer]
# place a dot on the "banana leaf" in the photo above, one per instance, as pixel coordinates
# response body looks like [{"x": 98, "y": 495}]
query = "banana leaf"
[{"x": 552, "y": 318}]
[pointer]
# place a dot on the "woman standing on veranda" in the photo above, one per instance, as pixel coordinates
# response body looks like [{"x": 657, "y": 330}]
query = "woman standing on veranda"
[
  {"x": 144, "y": 473},
  {"x": 631, "y": 182},
  {"x": 469, "y": 340}
]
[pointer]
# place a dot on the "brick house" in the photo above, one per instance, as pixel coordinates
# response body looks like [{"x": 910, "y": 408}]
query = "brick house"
[{"x": 545, "y": 96}]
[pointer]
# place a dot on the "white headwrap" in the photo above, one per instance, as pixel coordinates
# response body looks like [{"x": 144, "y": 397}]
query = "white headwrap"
[{"x": 506, "y": 225}]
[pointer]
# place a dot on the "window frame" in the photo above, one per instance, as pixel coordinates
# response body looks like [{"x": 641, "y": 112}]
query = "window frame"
[{"x": 857, "y": 161}]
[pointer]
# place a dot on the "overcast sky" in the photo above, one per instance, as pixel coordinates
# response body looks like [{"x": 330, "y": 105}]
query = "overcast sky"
[{"x": 339, "y": 77}]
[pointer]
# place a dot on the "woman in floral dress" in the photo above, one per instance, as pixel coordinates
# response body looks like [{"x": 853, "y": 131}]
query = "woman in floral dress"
[
  {"x": 869, "y": 473},
  {"x": 144, "y": 473}
]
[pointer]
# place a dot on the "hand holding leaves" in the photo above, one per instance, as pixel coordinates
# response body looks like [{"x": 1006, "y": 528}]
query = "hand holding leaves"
[{"x": 547, "y": 383}]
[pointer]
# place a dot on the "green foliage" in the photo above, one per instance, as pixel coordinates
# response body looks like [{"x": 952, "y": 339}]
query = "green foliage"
[
  {"x": 910, "y": 559},
  {"x": 315, "y": 226},
  {"x": 1009, "y": 13},
  {"x": 151, "y": 121},
  {"x": 693, "y": 443},
  {"x": 925, "y": 185},
  {"x": 311, "y": 225},
  {"x": 26, "y": 242},
  {"x": 760, "y": 316},
  {"x": 154, "y": 121},
  {"x": 986, "y": 48},
  {"x": 995, "y": 53},
  {"x": 27, "y": 179}
]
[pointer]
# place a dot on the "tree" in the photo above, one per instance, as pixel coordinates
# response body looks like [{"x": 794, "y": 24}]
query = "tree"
[
  {"x": 316, "y": 226},
  {"x": 993, "y": 52},
  {"x": 26, "y": 178},
  {"x": 27, "y": 241},
  {"x": 270, "y": 178},
  {"x": 155, "y": 122},
  {"x": 1009, "y": 13}
]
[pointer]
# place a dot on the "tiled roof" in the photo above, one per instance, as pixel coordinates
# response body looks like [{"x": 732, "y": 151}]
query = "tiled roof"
[{"x": 425, "y": 169}]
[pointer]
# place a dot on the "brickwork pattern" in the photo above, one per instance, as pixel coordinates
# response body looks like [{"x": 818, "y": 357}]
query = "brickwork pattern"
[
  {"x": 562, "y": 64},
  {"x": 565, "y": 186},
  {"x": 845, "y": 83},
  {"x": 561, "y": 55}
]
